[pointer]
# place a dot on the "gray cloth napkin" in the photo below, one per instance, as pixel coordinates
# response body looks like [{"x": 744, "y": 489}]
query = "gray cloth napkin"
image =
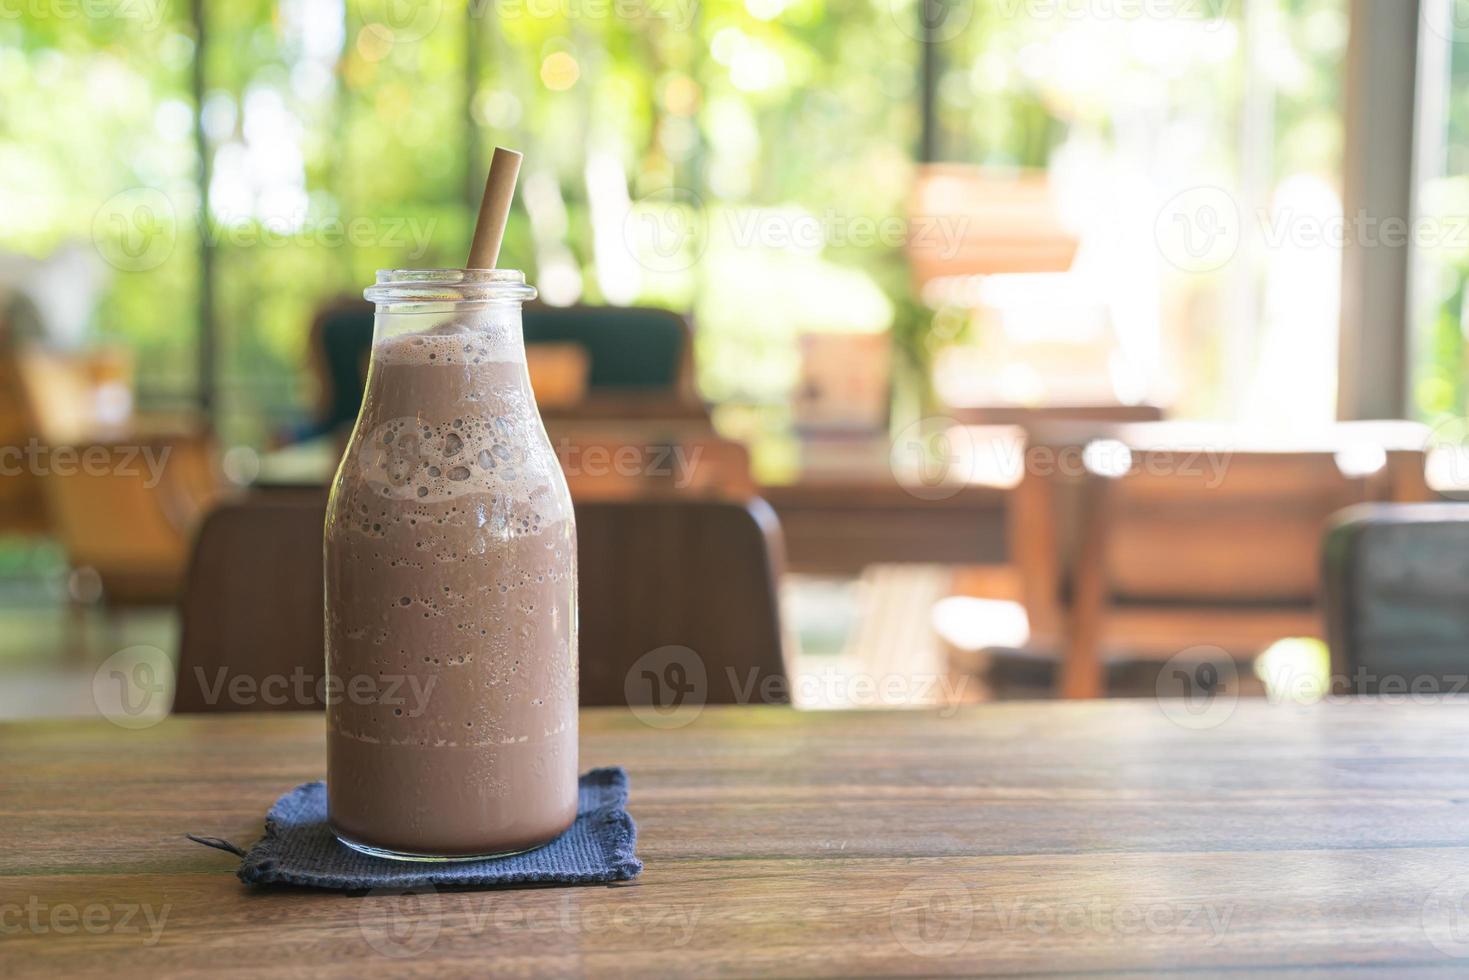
[{"x": 299, "y": 849}]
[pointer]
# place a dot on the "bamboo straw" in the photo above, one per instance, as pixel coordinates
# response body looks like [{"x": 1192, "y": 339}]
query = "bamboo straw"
[{"x": 489, "y": 230}]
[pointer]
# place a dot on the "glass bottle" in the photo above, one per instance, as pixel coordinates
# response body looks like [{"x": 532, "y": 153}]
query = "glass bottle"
[{"x": 451, "y": 625}]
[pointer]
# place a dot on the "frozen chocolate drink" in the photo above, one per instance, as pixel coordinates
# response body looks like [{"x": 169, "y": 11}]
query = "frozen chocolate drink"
[{"x": 451, "y": 633}]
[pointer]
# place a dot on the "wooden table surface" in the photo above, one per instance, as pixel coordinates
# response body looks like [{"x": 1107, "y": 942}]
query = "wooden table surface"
[{"x": 1101, "y": 838}]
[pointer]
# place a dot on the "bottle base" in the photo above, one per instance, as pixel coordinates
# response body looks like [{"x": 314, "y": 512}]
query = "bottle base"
[{"x": 379, "y": 852}]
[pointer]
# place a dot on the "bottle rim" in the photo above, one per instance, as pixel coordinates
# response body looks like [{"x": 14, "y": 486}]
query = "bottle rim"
[{"x": 395, "y": 286}]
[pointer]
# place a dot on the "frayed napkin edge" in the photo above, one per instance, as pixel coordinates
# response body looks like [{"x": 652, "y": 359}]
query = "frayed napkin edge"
[{"x": 257, "y": 865}]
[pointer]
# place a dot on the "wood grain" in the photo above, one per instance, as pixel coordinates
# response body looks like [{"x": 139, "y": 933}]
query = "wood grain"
[{"x": 1096, "y": 837}]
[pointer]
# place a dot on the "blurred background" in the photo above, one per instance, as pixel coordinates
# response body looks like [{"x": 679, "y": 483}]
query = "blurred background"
[{"x": 886, "y": 265}]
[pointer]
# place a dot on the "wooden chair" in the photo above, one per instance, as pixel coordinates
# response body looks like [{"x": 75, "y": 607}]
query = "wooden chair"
[
  {"x": 130, "y": 521},
  {"x": 22, "y": 502},
  {"x": 1396, "y": 598},
  {"x": 75, "y": 396},
  {"x": 1010, "y": 223},
  {"x": 1203, "y": 534},
  {"x": 252, "y": 605},
  {"x": 122, "y": 492},
  {"x": 640, "y": 360},
  {"x": 558, "y": 374},
  {"x": 630, "y": 348},
  {"x": 699, "y": 574}
]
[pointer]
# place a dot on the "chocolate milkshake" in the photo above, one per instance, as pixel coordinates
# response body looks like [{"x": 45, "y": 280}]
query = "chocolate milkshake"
[{"x": 450, "y": 587}]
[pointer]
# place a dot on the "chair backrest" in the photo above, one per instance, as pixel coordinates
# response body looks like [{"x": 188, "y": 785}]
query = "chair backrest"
[
  {"x": 1396, "y": 594},
  {"x": 120, "y": 492},
  {"x": 76, "y": 396},
  {"x": 1246, "y": 532},
  {"x": 1008, "y": 222},
  {"x": 341, "y": 341},
  {"x": 127, "y": 509},
  {"x": 22, "y": 506},
  {"x": 252, "y": 605},
  {"x": 630, "y": 348},
  {"x": 631, "y": 361},
  {"x": 695, "y": 574},
  {"x": 1202, "y": 515},
  {"x": 558, "y": 374}
]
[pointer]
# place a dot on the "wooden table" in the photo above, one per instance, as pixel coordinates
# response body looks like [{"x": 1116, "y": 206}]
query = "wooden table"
[
  {"x": 841, "y": 527},
  {"x": 1020, "y": 838}
]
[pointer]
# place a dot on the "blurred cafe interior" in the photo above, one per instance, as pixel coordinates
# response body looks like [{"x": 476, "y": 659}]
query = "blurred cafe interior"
[{"x": 1030, "y": 351}]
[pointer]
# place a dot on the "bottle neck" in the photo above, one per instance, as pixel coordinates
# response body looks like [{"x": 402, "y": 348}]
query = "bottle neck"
[{"x": 461, "y": 333}]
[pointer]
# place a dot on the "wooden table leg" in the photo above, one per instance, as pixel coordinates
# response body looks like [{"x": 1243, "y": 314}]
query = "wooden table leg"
[{"x": 1081, "y": 674}]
